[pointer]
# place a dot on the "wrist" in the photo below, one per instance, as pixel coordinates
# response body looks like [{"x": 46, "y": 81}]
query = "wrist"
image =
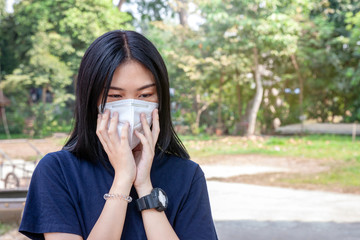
[
  {"x": 144, "y": 189},
  {"x": 121, "y": 185}
]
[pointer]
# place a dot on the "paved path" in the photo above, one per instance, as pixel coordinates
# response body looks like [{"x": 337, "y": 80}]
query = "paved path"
[
  {"x": 249, "y": 212},
  {"x": 321, "y": 128},
  {"x": 229, "y": 171}
]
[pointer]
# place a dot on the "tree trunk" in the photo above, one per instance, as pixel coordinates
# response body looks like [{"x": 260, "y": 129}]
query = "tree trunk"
[
  {"x": 3, "y": 114},
  {"x": 183, "y": 13},
  {"x": 196, "y": 101},
  {"x": 119, "y": 5},
  {"x": 43, "y": 96},
  {"x": 219, "y": 125},
  {"x": 239, "y": 124},
  {"x": 239, "y": 95},
  {"x": 301, "y": 85},
  {"x": 258, "y": 95},
  {"x": 199, "y": 111}
]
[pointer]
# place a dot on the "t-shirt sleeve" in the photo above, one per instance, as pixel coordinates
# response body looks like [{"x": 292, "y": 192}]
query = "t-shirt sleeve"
[
  {"x": 49, "y": 205},
  {"x": 194, "y": 220}
]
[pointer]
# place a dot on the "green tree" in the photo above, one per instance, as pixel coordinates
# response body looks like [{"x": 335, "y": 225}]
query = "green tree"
[
  {"x": 50, "y": 39},
  {"x": 303, "y": 56},
  {"x": 328, "y": 59},
  {"x": 262, "y": 33}
]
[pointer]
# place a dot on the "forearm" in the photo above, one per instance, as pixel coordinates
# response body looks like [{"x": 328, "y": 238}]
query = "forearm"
[
  {"x": 156, "y": 224},
  {"x": 111, "y": 221}
]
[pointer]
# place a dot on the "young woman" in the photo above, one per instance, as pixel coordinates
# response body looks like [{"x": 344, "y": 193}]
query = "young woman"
[{"x": 124, "y": 173}]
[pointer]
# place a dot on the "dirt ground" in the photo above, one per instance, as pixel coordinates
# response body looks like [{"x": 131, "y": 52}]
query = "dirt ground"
[
  {"x": 30, "y": 149},
  {"x": 33, "y": 150},
  {"x": 295, "y": 168}
]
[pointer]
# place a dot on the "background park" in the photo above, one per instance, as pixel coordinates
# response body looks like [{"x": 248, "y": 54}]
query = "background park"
[{"x": 239, "y": 71}]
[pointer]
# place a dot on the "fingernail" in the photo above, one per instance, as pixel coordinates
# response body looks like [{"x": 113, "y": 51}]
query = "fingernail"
[{"x": 142, "y": 115}]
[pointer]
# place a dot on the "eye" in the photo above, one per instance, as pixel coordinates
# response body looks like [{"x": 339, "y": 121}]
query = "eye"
[
  {"x": 145, "y": 95},
  {"x": 114, "y": 96}
]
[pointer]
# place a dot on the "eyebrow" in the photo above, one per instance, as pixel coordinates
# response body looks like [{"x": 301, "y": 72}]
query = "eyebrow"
[{"x": 140, "y": 88}]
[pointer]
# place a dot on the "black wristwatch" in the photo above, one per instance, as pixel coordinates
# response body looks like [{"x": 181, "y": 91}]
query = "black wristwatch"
[{"x": 156, "y": 199}]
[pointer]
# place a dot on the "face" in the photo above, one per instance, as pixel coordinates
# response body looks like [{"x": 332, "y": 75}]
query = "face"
[{"x": 131, "y": 80}]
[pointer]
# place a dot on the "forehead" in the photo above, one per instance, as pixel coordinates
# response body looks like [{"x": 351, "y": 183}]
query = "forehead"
[{"x": 131, "y": 74}]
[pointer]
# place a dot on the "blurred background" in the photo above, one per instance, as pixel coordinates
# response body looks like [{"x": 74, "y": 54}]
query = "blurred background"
[{"x": 263, "y": 92}]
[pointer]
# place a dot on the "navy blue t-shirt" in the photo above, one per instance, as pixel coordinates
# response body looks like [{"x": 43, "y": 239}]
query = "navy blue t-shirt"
[{"x": 66, "y": 195}]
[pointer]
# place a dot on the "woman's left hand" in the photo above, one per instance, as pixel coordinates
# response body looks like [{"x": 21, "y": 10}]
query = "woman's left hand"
[{"x": 144, "y": 153}]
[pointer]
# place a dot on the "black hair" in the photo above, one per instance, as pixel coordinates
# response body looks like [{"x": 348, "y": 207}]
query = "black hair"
[{"x": 96, "y": 71}]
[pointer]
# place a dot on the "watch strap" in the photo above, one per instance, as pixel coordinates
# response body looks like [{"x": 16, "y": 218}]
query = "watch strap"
[{"x": 146, "y": 202}]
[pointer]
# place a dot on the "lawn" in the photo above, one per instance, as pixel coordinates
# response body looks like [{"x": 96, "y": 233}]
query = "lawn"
[
  {"x": 313, "y": 146},
  {"x": 341, "y": 153}
]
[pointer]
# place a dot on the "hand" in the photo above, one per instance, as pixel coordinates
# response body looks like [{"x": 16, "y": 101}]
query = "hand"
[
  {"x": 144, "y": 153},
  {"x": 118, "y": 150}
]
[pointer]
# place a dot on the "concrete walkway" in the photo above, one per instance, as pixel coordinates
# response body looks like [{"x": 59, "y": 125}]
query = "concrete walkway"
[
  {"x": 321, "y": 128},
  {"x": 250, "y": 212}
]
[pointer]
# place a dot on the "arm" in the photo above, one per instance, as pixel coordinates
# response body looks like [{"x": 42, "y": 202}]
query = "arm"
[
  {"x": 62, "y": 236},
  {"x": 122, "y": 160},
  {"x": 105, "y": 227},
  {"x": 156, "y": 224},
  {"x": 194, "y": 219}
]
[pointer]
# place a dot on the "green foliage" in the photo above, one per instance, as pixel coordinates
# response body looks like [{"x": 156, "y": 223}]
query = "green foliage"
[
  {"x": 16, "y": 123},
  {"x": 211, "y": 65},
  {"x": 44, "y": 43}
]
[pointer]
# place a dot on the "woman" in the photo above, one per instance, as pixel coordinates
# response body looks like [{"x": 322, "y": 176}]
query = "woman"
[{"x": 111, "y": 181}]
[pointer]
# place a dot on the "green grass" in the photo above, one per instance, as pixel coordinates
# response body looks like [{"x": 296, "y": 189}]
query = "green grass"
[
  {"x": 5, "y": 228},
  {"x": 341, "y": 177},
  {"x": 340, "y": 150},
  {"x": 14, "y": 136},
  {"x": 314, "y": 146}
]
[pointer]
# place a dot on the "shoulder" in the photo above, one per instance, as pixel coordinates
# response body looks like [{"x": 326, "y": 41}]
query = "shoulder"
[
  {"x": 174, "y": 172},
  {"x": 57, "y": 161},
  {"x": 184, "y": 166}
]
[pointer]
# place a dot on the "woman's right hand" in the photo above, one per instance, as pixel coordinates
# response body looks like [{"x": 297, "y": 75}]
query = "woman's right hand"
[{"x": 118, "y": 150}]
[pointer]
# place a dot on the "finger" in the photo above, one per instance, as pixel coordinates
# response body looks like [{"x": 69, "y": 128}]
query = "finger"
[
  {"x": 146, "y": 127},
  {"x": 103, "y": 128},
  {"x": 103, "y": 142},
  {"x": 155, "y": 126},
  {"x": 144, "y": 141},
  {"x": 105, "y": 119},
  {"x": 113, "y": 132},
  {"x": 124, "y": 142}
]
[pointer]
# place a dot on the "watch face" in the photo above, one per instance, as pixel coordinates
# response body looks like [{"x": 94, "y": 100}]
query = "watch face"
[{"x": 162, "y": 198}]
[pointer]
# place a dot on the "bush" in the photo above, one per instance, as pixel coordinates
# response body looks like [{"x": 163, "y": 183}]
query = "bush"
[{"x": 15, "y": 121}]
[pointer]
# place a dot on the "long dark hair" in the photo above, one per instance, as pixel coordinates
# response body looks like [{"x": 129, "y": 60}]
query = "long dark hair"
[{"x": 96, "y": 71}]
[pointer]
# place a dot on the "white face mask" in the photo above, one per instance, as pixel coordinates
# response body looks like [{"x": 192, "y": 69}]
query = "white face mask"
[{"x": 129, "y": 111}]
